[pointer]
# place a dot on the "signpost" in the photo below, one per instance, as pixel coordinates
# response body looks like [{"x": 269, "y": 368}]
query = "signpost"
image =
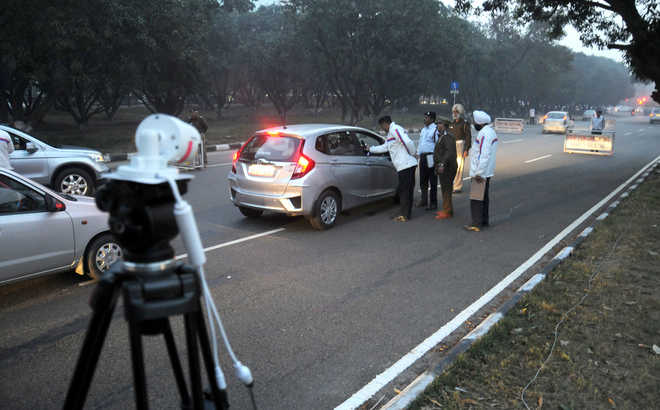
[{"x": 453, "y": 89}]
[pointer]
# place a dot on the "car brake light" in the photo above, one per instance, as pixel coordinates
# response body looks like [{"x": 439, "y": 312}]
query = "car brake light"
[
  {"x": 303, "y": 165},
  {"x": 237, "y": 155}
]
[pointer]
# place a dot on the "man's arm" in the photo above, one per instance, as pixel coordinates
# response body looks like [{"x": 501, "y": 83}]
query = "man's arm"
[{"x": 379, "y": 149}]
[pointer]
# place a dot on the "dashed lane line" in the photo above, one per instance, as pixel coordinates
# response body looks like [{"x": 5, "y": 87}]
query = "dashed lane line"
[
  {"x": 537, "y": 159},
  {"x": 234, "y": 242}
]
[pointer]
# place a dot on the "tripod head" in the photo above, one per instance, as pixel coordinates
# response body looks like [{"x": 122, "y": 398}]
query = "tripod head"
[{"x": 138, "y": 197}]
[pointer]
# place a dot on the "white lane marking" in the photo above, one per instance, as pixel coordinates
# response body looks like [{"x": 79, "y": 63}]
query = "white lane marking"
[
  {"x": 538, "y": 159},
  {"x": 234, "y": 242},
  {"x": 366, "y": 392},
  {"x": 466, "y": 178},
  {"x": 628, "y": 133},
  {"x": 512, "y": 141},
  {"x": 218, "y": 165},
  {"x": 640, "y": 130}
]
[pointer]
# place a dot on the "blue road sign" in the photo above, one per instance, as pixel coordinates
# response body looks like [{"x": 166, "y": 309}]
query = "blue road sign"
[{"x": 454, "y": 85}]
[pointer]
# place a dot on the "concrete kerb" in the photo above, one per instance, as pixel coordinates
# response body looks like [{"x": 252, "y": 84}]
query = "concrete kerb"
[
  {"x": 411, "y": 392},
  {"x": 209, "y": 148}
]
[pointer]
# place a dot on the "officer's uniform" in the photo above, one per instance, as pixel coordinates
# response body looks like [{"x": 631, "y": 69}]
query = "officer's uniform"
[{"x": 427, "y": 139}]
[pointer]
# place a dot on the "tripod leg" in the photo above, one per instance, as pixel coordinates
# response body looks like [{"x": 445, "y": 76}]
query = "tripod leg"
[
  {"x": 193, "y": 360},
  {"x": 103, "y": 302},
  {"x": 139, "y": 377},
  {"x": 176, "y": 364},
  {"x": 219, "y": 397}
]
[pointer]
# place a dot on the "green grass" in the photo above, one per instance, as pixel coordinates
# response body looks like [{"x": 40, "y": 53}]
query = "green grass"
[
  {"x": 236, "y": 125},
  {"x": 603, "y": 357}
]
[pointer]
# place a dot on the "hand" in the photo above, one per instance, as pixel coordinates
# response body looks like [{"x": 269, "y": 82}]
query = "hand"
[
  {"x": 478, "y": 178},
  {"x": 439, "y": 169},
  {"x": 465, "y": 154}
]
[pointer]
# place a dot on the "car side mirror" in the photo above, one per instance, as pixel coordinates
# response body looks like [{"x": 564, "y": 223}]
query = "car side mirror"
[
  {"x": 31, "y": 148},
  {"x": 54, "y": 205}
]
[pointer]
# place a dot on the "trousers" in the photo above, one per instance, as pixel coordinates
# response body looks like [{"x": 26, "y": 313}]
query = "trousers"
[
  {"x": 427, "y": 177},
  {"x": 479, "y": 209},
  {"x": 406, "y": 190},
  {"x": 458, "y": 179}
]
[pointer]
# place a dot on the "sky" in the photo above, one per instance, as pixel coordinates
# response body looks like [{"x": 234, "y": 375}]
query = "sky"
[{"x": 572, "y": 39}]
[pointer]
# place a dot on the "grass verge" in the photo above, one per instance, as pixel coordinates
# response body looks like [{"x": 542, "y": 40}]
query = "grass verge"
[
  {"x": 236, "y": 125},
  {"x": 604, "y": 355}
]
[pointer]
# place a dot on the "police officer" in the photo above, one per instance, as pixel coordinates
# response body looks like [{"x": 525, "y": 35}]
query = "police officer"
[
  {"x": 402, "y": 153},
  {"x": 444, "y": 157},
  {"x": 427, "y": 139}
]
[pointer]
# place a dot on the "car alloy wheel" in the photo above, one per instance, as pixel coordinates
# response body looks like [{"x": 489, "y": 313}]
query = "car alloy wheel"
[
  {"x": 106, "y": 255},
  {"x": 328, "y": 210},
  {"x": 74, "y": 184}
]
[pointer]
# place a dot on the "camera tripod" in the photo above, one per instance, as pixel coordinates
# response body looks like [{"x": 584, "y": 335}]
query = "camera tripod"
[{"x": 154, "y": 288}]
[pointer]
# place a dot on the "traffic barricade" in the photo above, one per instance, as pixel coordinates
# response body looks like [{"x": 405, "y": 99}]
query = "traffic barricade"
[
  {"x": 509, "y": 125},
  {"x": 585, "y": 142}
]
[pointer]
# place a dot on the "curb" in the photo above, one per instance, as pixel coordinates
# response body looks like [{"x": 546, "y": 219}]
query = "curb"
[
  {"x": 210, "y": 148},
  {"x": 411, "y": 392}
]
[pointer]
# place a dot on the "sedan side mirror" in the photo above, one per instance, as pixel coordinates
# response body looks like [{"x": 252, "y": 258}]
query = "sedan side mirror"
[
  {"x": 54, "y": 205},
  {"x": 31, "y": 148}
]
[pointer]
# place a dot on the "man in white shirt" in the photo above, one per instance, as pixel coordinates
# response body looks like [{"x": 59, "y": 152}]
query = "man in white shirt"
[
  {"x": 427, "y": 139},
  {"x": 482, "y": 168},
  {"x": 402, "y": 153},
  {"x": 598, "y": 123},
  {"x": 6, "y": 148}
]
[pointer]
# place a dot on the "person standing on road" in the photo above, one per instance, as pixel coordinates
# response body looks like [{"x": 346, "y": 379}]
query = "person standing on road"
[
  {"x": 427, "y": 139},
  {"x": 482, "y": 169},
  {"x": 6, "y": 148},
  {"x": 460, "y": 129},
  {"x": 598, "y": 123},
  {"x": 444, "y": 158},
  {"x": 532, "y": 116},
  {"x": 402, "y": 153},
  {"x": 197, "y": 121}
]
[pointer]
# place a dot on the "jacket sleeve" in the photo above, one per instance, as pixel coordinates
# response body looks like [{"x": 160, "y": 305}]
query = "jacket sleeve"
[
  {"x": 379, "y": 149},
  {"x": 468, "y": 136},
  {"x": 486, "y": 146}
]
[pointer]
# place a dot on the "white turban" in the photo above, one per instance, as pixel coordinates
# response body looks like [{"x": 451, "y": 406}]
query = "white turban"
[{"x": 481, "y": 117}]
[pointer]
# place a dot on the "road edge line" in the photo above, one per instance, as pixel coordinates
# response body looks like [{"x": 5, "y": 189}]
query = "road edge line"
[{"x": 389, "y": 374}]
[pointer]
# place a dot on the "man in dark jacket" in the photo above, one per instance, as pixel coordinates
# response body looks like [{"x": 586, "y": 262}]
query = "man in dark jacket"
[
  {"x": 197, "y": 121},
  {"x": 444, "y": 159}
]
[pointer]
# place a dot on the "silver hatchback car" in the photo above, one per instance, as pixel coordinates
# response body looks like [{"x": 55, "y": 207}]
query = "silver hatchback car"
[
  {"x": 43, "y": 232},
  {"x": 315, "y": 170}
]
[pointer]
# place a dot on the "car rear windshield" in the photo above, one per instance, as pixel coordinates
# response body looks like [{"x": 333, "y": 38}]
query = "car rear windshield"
[
  {"x": 556, "y": 116},
  {"x": 279, "y": 148}
]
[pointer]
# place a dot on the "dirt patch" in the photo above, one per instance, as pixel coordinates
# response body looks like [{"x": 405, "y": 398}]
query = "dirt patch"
[{"x": 603, "y": 356}]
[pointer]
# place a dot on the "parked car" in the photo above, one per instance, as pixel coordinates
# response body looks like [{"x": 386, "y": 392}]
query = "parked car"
[
  {"x": 555, "y": 121},
  {"x": 42, "y": 232},
  {"x": 588, "y": 115},
  {"x": 315, "y": 170},
  {"x": 70, "y": 170},
  {"x": 654, "y": 115}
]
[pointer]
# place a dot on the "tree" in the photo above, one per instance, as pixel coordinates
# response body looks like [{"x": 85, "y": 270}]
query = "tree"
[{"x": 632, "y": 26}]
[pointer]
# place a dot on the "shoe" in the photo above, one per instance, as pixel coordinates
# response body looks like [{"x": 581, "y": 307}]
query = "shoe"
[
  {"x": 472, "y": 228},
  {"x": 442, "y": 215},
  {"x": 431, "y": 207},
  {"x": 400, "y": 218}
]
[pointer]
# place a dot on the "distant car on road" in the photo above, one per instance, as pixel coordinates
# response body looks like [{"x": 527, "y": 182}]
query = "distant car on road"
[
  {"x": 555, "y": 121},
  {"x": 42, "y": 232},
  {"x": 314, "y": 170},
  {"x": 70, "y": 170},
  {"x": 654, "y": 115},
  {"x": 588, "y": 115}
]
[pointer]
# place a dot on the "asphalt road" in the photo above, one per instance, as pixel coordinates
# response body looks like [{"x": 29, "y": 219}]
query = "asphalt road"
[{"x": 317, "y": 315}]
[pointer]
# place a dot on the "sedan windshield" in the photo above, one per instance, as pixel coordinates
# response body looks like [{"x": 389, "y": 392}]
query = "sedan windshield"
[{"x": 556, "y": 116}]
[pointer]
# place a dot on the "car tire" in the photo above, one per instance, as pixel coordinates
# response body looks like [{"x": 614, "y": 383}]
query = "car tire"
[
  {"x": 102, "y": 252},
  {"x": 74, "y": 181},
  {"x": 326, "y": 211},
  {"x": 250, "y": 212}
]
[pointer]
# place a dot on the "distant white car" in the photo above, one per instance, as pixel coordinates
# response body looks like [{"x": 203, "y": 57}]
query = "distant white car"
[
  {"x": 654, "y": 115},
  {"x": 555, "y": 121},
  {"x": 42, "y": 232}
]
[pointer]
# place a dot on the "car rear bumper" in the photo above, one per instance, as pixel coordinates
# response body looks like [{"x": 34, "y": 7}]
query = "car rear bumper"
[
  {"x": 554, "y": 128},
  {"x": 290, "y": 203}
]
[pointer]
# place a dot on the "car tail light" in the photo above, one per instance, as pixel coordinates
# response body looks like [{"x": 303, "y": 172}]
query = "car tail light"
[
  {"x": 564, "y": 118},
  {"x": 304, "y": 164},
  {"x": 236, "y": 156}
]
